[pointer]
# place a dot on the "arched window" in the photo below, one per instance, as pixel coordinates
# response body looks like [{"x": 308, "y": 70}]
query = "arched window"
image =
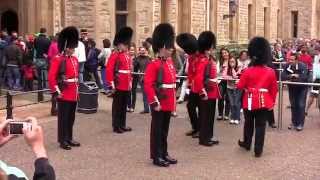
[
  {"x": 121, "y": 14},
  {"x": 9, "y": 21}
]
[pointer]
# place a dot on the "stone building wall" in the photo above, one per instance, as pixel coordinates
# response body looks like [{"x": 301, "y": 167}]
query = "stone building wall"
[{"x": 269, "y": 18}]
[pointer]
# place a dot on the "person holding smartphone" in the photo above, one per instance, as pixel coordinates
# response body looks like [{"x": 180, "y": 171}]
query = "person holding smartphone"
[{"x": 34, "y": 138}]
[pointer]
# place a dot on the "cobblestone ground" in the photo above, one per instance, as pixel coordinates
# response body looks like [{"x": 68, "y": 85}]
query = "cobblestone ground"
[{"x": 104, "y": 155}]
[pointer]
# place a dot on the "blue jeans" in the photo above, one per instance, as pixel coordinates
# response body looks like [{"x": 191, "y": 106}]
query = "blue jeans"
[
  {"x": 81, "y": 70},
  {"x": 235, "y": 103},
  {"x": 42, "y": 78},
  {"x": 105, "y": 85},
  {"x": 298, "y": 97},
  {"x": 145, "y": 101},
  {"x": 14, "y": 77}
]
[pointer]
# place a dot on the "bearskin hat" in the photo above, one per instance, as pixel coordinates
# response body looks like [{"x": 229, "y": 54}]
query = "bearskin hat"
[
  {"x": 68, "y": 38},
  {"x": 187, "y": 42},
  {"x": 123, "y": 36},
  {"x": 163, "y": 37},
  {"x": 259, "y": 51},
  {"x": 206, "y": 41}
]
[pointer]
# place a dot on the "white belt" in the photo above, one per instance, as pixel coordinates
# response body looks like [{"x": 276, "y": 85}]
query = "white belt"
[
  {"x": 213, "y": 80},
  {"x": 74, "y": 80},
  {"x": 263, "y": 90},
  {"x": 168, "y": 86},
  {"x": 124, "y": 71}
]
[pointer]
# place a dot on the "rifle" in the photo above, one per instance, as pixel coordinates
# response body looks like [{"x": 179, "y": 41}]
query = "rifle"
[
  {"x": 159, "y": 82},
  {"x": 206, "y": 78}
]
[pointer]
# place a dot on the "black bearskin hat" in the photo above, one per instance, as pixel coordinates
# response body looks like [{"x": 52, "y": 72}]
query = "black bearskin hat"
[
  {"x": 188, "y": 43},
  {"x": 163, "y": 37},
  {"x": 206, "y": 41},
  {"x": 259, "y": 51},
  {"x": 123, "y": 36},
  {"x": 68, "y": 38}
]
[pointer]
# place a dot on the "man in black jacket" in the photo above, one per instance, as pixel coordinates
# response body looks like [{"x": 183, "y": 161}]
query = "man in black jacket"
[
  {"x": 3, "y": 45},
  {"x": 13, "y": 58},
  {"x": 34, "y": 138},
  {"x": 41, "y": 45}
]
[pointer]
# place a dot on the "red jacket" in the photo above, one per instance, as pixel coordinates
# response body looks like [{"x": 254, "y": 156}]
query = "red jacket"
[
  {"x": 212, "y": 90},
  {"x": 168, "y": 101},
  {"x": 192, "y": 62},
  {"x": 260, "y": 88},
  {"x": 307, "y": 60},
  {"x": 29, "y": 72},
  {"x": 70, "y": 90},
  {"x": 120, "y": 80}
]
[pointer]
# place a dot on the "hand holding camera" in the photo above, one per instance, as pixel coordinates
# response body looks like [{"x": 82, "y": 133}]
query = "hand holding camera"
[
  {"x": 32, "y": 132},
  {"x": 4, "y": 135}
]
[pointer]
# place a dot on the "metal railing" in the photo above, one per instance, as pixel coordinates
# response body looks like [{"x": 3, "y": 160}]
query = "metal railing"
[
  {"x": 10, "y": 94},
  {"x": 9, "y": 100}
]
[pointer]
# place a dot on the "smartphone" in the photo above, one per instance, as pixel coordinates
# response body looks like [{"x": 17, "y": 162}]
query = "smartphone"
[{"x": 15, "y": 127}]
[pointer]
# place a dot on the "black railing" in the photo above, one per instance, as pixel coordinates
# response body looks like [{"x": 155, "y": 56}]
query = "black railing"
[{"x": 9, "y": 100}]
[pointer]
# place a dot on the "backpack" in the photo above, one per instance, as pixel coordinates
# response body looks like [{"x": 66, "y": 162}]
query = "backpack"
[{"x": 92, "y": 60}]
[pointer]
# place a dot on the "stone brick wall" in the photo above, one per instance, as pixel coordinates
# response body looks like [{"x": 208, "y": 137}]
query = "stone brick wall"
[
  {"x": 81, "y": 14},
  {"x": 198, "y": 17},
  {"x": 98, "y": 16},
  {"x": 304, "y": 17}
]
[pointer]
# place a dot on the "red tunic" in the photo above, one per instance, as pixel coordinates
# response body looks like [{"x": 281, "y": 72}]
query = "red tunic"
[
  {"x": 70, "y": 90},
  {"x": 307, "y": 60},
  {"x": 212, "y": 91},
  {"x": 192, "y": 61},
  {"x": 260, "y": 87},
  {"x": 123, "y": 79},
  {"x": 168, "y": 102}
]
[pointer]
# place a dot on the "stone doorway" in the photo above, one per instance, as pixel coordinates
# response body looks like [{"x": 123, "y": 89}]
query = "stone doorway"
[{"x": 9, "y": 21}]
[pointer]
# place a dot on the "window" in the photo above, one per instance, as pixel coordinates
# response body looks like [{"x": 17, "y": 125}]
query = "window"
[
  {"x": 294, "y": 15},
  {"x": 249, "y": 21},
  {"x": 121, "y": 14},
  {"x": 266, "y": 22},
  {"x": 164, "y": 11},
  {"x": 279, "y": 24}
]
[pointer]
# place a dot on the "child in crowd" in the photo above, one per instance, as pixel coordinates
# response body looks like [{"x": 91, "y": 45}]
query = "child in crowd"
[{"x": 29, "y": 74}]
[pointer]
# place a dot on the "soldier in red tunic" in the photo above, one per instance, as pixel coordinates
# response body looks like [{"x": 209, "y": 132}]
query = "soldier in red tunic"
[
  {"x": 259, "y": 83},
  {"x": 206, "y": 84},
  {"x": 118, "y": 74},
  {"x": 160, "y": 84},
  {"x": 189, "y": 44},
  {"x": 63, "y": 82}
]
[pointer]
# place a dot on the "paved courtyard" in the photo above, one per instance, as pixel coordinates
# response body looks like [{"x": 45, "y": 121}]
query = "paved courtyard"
[{"x": 288, "y": 155}]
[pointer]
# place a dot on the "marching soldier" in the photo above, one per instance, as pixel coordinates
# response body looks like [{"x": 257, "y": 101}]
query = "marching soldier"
[
  {"x": 160, "y": 84},
  {"x": 118, "y": 74},
  {"x": 63, "y": 82},
  {"x": 206, "y": 83},
  {"x": 259, "y": 94},
  {"x": 190, "y": 45}
]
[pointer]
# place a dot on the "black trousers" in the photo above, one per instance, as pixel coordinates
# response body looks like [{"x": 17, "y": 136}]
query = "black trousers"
[
  {"x": 119, "y": 109},
  {"x": 66, "y": 117},
  {"x": 255, "y": 120},
  {"x": 133, "y": 94},
  {"x": 159, "y": 133},
  {"x": 271, "y": 120},
  {"x": 28, "y": 84},
  {"x": 192, "y": 105},
  {"x": 223, "y": 103},
  {"x": 206, "y": 116}
]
